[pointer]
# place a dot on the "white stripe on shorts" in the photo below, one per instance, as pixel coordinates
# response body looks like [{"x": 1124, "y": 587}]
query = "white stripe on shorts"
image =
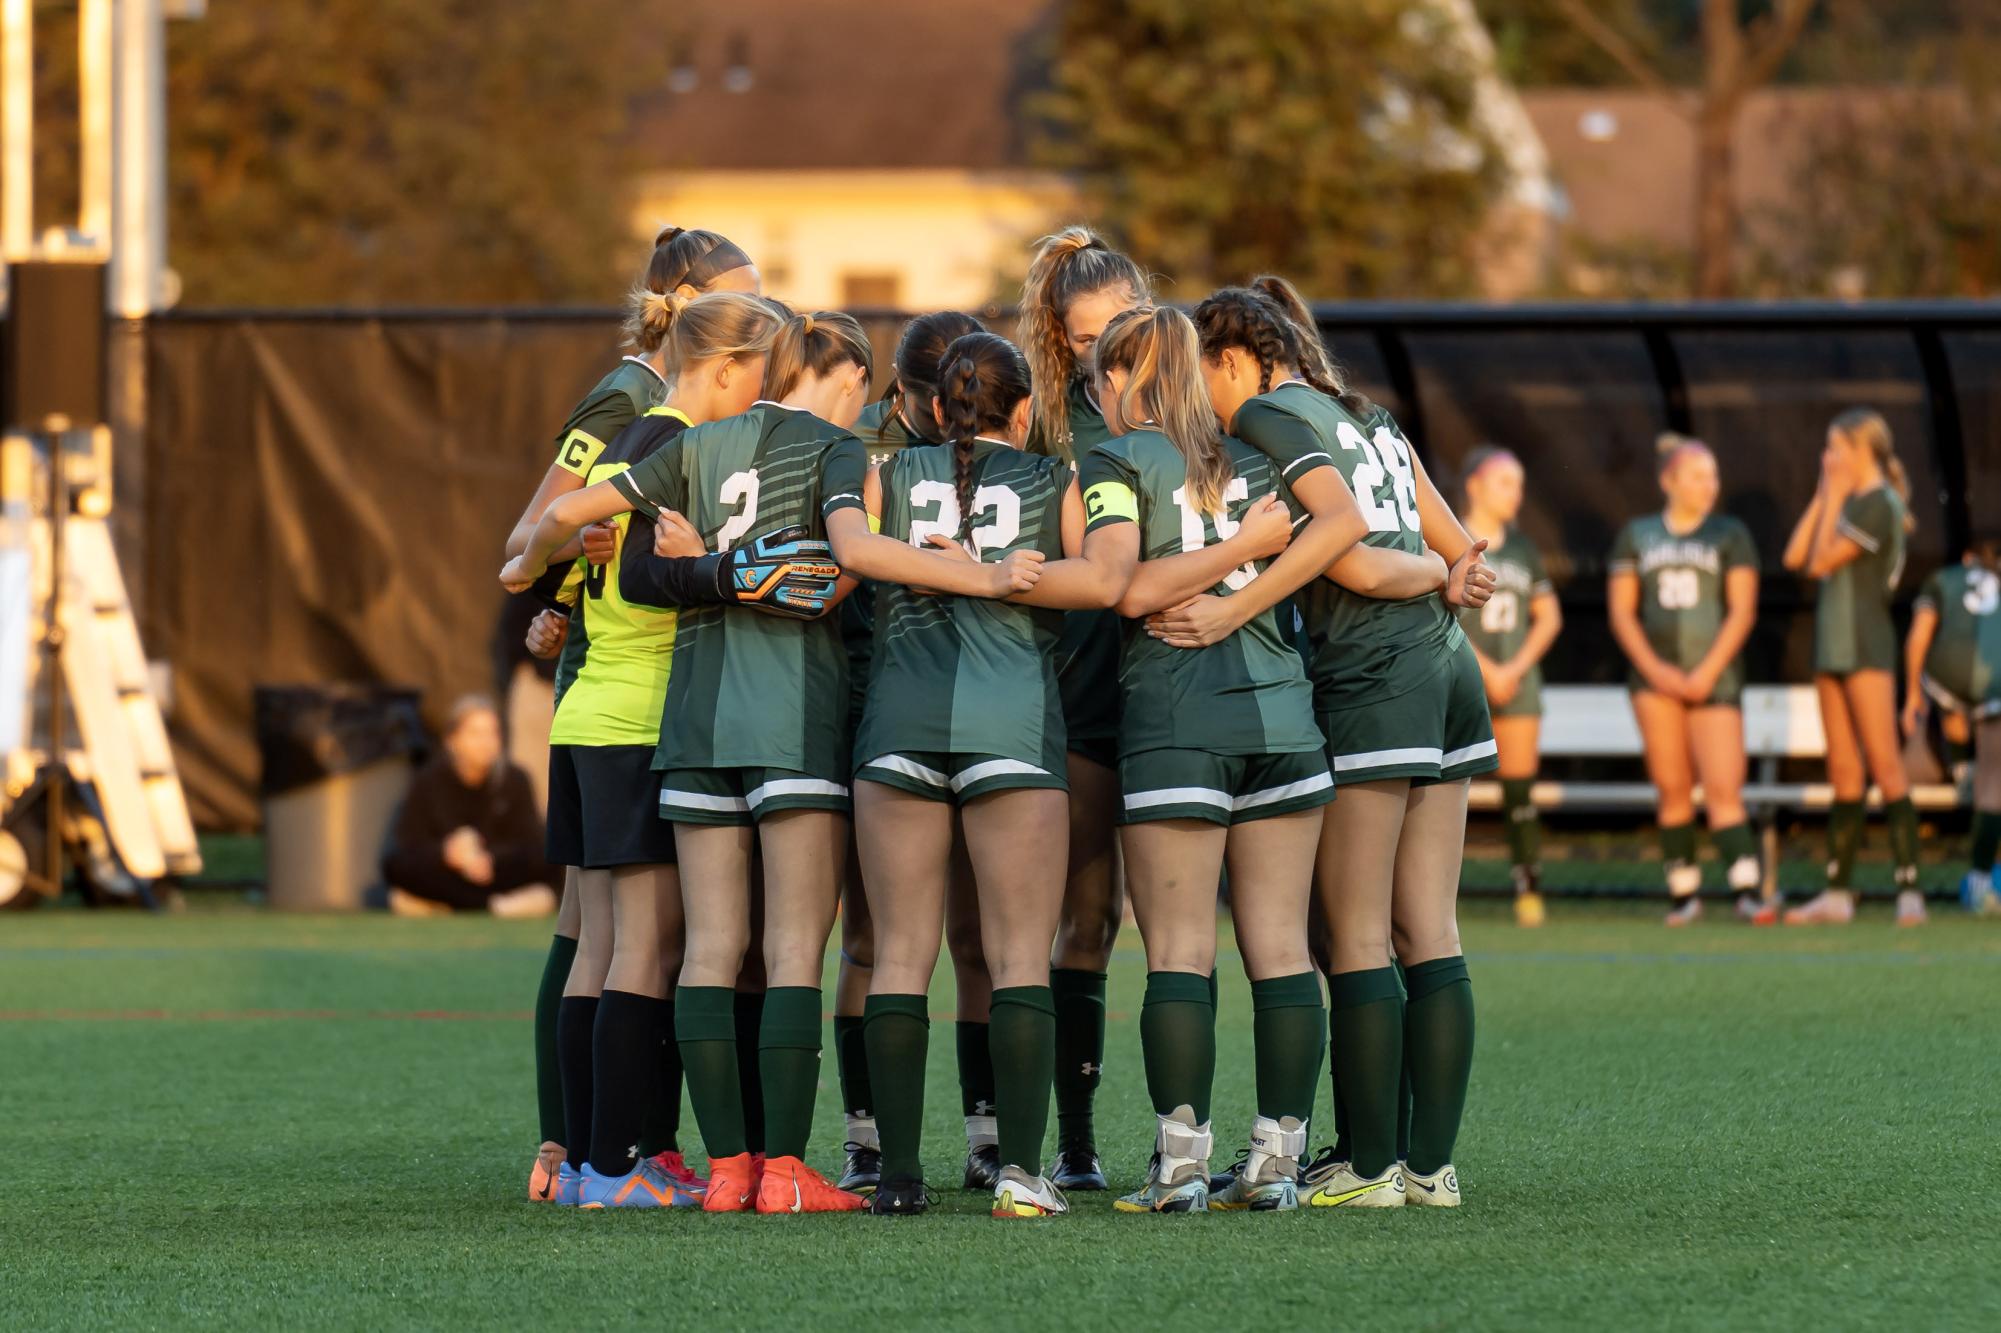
[
  {"x": 993, "y": 768},
  {"x": 909, "y": 768},
  {"x": 1273, "y": 795},
  {"x": 694, "y": 800},
  {"x": 1416, "y": 754},
  {"x": 793, "y": 787},
  {"x": 1477, "y": 750},
  {"x": 1179, "y": 796}
]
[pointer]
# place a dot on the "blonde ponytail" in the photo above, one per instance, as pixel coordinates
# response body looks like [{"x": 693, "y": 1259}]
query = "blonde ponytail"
[
  {"x": 719, "y": 324},
  {"x": 1070, "y": 264},
  {"x": 1867, "y": 427},
  {"x": 1159, "y": 350}
]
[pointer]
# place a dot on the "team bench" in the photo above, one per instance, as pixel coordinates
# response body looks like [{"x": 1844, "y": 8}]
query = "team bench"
[{"x": 1596, "y": 722}]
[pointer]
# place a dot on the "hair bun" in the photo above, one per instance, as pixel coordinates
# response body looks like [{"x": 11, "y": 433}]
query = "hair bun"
[
  {"x": 806, "y": 325},
  {"x": 667, "y": 233}
]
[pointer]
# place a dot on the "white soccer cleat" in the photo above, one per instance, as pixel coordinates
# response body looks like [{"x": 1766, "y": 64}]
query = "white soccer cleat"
[
  {"x": 1342, "y": 1187},
  {"x": 1018, "y": 1194},
  {"x": 1440, "y": 1189},
  {"x": 1266, "y": 1184},
  {"x": 1177, "y": 1180},
  {"x": 1830, "y": 907},
  {"x": 1910, "y": 908},
  {"x": 1685, "y": 912}
]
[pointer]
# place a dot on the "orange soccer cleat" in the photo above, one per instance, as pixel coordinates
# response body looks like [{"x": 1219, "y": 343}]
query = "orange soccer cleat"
[
  {"x": 791, "y": 1186},
  {"x": 675, "y": 1167},
  {"x": 732, "y": 1185},
  {"x": 542, "y": 1176}
]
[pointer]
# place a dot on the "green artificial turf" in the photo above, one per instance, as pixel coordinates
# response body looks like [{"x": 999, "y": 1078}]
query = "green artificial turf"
[{"x": 224, "y": 1118}]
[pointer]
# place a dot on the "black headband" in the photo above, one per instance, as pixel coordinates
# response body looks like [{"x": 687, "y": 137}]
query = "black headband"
[{"x": 718, "y": 261}]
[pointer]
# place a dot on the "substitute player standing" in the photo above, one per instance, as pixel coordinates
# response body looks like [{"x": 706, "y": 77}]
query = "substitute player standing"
[
  {"x": 1682, "y": 593},
  {"x": 1952, "y": 658},
  {"x": 1510, "y": 635}
]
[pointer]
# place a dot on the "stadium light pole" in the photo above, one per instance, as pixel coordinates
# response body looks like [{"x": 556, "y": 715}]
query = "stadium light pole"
[{"x": 17, "y": 111}]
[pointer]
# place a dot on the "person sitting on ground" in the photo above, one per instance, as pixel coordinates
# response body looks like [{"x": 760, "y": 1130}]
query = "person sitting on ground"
[{"x": 468, "y": 837}]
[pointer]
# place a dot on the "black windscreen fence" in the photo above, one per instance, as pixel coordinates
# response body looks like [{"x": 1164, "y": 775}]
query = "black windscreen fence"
[{"x": 326, "y": 495}]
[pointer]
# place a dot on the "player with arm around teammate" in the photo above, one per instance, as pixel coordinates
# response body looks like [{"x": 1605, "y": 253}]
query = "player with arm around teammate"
[
  {"x": 1952, "y": 659},
  {"x": 1682, "y": 595},
  {"x": 1510, "y": 635},
  {"x": 1400, "y": 703}
]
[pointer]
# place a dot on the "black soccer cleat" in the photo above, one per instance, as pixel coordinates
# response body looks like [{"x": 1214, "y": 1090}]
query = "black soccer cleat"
[
  {"x": 983, "y": 1168},
  {"x": 1078, "y": 1169},
  {"x": 899, "y": 1197},
  {"x": 864, "y": 1169}
]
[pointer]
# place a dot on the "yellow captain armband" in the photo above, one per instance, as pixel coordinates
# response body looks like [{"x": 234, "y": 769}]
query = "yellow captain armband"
[
  {"x": 1108, "y": 501},
  {"x": 874, "y": 522},
  {"x": 579, "y": 450}
]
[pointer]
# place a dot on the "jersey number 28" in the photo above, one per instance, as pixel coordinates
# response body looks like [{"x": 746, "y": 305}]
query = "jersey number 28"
[
  {"x": 997, "y": 535},
  {"x": 1386, "y": 457}
]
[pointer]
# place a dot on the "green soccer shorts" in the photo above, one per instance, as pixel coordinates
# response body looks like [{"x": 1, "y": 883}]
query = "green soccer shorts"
[
  {"x": 1437, "y": 731},
  {"x": 739, "y": 796},
  {"x": 1221, "y": 788},
  {"x": 957, "y": 777}
]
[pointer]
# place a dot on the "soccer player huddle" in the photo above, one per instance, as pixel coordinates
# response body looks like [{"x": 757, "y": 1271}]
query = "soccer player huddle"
[{"x": 1112, "y": 609}]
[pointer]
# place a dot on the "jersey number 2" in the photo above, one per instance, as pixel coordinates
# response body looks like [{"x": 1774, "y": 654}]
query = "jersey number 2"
[
  {"x": 738, "y": 488},
  {"x": 1193, "y": 538},
  {"x": 994, "y": 536}
]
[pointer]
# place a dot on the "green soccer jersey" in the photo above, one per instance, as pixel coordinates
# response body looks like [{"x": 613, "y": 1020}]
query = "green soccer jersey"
[
  {"x": 631, "y": 387},
  {"x": 1087, "y": 654},
  {"x": 1682, "y": 595},
  {"x": 749, "y": 690},
  {"x": 1852, "y": 630},
  {"x": 1245, "y": 695},
  {"x": 1499, "y": 628},
  {"x": 1365, "y": 649},
  {"x": 967, "y": 675},
  {"x": 883, "y": 433},
  {"x": 1965, "y": 655},
  {"x": 620, "y": 686}
]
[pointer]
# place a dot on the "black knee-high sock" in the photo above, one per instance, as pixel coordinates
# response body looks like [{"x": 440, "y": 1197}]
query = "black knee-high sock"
[
  {"x": 851, "y": 1060},
  {"x": 1366, "y": 1019},
  {"x": 1438, "y": 1052},
  {"x": 1524, "y": 825},
  {"x": 548, "y": 1066},
  {"x": 749, "y": 1007},
  {"x": 662, "y": 1131},
  {"x": 706, "y": 1029},
  {"x": 625, "y": 1059},
  {"x": 575, "y": 1019},
  {"x": 898, "y": 1031},
  {"x": 1986, "y": 839},
  {"x": 976, "y": 1068},
  {"x": 1022, "y": 1030},
  {"x": 1902, "y": 817},
  {"x": 1844, "y": 838},
  {"x": 1079, "y": 997}
]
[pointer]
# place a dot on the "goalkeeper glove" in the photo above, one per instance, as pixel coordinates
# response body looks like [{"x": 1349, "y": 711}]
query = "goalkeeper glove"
[{"x": 783, "y": 573}]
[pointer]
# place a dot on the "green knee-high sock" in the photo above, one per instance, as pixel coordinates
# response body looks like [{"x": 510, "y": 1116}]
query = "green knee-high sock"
[
  {"x": 1684, "y": 876},
  {"x": 1986, "y": 839},
  {"x": 1022, "y": 1032},
  {"x": 1903, "y": 820},
  {"x": 1289, "y": 1029},
  {"x": 788, "y": 1056},
  {"x": 898, "y": 1033},
  {"x": 1403, "y": 1079},
  {"x": 976, "y": 1067},
  {"x": 1524, "y": 824},
  {"x": 548, "y": 1073},
  {"x": 705, "y": 1025},
  {"x": 1365, "y": 1015},
  {"x": 662, "y": 1129},
  {"x": 1079, "y": 997},
  {"x": 851, "y": 1056},
  {"x": 748, "y": 1009},
  {"x": 1737, "y": 849},
  {"x": 1177, "y": 1033},
  {"x": 1438, "y": 1052},
  {"x": 1844, "y": 837}
]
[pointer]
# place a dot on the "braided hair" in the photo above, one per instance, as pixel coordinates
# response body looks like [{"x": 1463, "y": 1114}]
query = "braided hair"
[
  {"x": 919, "y": 352},
  {"x": 1073, "y": 263},
  {"x": 681, "y": 258},
  {"x": 982, "y": 378},
  {"x": 1249, "y": 320}
]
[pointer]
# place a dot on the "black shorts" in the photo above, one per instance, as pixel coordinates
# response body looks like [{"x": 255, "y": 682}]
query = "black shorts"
[{"x": 604, "y": 808}]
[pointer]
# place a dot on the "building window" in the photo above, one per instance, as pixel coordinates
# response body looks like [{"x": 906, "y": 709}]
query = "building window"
[{"x": 881, "y": 290}]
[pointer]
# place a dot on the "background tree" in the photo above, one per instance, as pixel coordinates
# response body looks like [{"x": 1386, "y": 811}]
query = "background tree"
[
  {"x": 368, "y": 152},
  {"x": 1738, "y": 58},
  {"x": 1334, "y": 141}
]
